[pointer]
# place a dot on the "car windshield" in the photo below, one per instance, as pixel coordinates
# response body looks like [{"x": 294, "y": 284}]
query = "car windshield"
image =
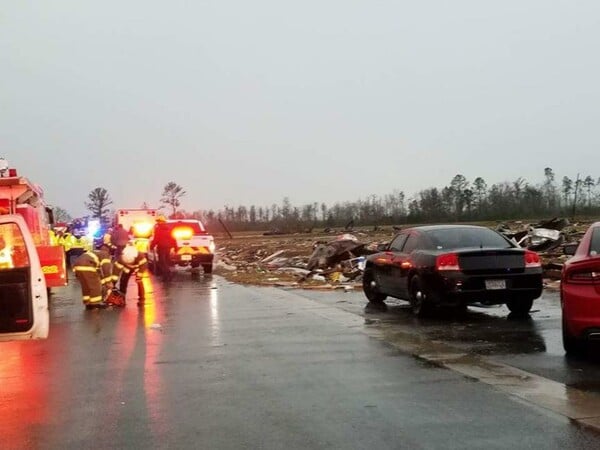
[{"x": 452, "y": 238}]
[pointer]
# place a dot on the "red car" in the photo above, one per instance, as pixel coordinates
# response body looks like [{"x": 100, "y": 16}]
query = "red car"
[{"x": 580, "y": 291}]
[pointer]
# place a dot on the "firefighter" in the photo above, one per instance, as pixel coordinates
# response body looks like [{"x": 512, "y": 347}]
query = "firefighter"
[
  {"x": 66, "y": 240},
  {"x": 163, "y": 242},
  {"x": 107, "y": 239},
  {"x": 128, "y": 263},
  {"x": 93, "y": 270}
]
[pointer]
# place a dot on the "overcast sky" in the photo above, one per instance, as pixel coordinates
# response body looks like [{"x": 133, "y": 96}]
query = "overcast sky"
[{"x": 245, "y": 102}]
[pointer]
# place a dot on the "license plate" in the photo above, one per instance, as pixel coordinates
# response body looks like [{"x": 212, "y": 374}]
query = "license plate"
[
  {"x": 186, "y": 257},
  {"x": 495, "y": 284}
]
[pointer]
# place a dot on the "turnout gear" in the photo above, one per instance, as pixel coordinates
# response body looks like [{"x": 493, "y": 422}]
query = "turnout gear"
[
  {"x": 93, "y": 270},
  {"x": 131, "y": 262}
]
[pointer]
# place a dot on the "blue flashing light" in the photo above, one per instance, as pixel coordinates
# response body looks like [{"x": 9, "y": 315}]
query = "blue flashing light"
[{"x": 93, "y": 228}]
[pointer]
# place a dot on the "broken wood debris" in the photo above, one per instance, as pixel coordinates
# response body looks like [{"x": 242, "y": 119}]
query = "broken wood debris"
[{"x": 322, "y": 261}]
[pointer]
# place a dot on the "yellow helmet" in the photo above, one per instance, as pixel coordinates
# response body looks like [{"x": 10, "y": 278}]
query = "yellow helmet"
[{"x": 161, "y": 219}]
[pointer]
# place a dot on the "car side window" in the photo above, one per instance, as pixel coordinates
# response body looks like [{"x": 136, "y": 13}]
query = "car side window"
[
  {"x": 411, "y": 243},
  {"x": 398, "y": 242}
]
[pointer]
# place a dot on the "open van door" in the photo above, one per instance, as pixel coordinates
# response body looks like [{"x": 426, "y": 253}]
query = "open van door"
[{"x": 23, "y": 295}]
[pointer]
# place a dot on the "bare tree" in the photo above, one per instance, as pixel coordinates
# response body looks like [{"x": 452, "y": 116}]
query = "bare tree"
[
  {"x": 99, "y": 203},
  {"x": 61, "y": 215},
  {"x": 171, "y": 196}
]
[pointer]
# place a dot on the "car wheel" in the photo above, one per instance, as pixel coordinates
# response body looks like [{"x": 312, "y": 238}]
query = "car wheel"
[
  {"x": 207, "y": 268},
  {"x": 370, "y": 287},
  {"x": 520, "y": 306},
  {"x": 571, "y": 344},
  {"x": 419, "y": 301}
]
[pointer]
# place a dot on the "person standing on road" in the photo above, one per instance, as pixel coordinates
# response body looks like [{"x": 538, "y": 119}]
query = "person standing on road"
[
  {"x": 131, "y": 262},
  {"x": 93, "y": 269},
  {"x": 119, "y": 240},
  {"x": 163, "y": 242}
]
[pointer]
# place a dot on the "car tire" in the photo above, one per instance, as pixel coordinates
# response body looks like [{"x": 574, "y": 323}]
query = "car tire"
[
  {"x": 571, "y": 344},
  {"x": 520, "y": 306},
  {"x": 370, "y": 288},
  {"x": 420, "y": 303},
  {"x": 208, "y": 268}
]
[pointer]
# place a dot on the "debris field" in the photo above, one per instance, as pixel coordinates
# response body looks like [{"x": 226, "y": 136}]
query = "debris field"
[{"x": 334, "y": 259}]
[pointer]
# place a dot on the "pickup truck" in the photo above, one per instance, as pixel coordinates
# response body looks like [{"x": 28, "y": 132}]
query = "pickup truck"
[{"x": 193, "y": 246}]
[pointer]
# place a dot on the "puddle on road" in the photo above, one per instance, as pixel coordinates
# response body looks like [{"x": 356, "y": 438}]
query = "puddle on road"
[{"x": 475, "y": 331}]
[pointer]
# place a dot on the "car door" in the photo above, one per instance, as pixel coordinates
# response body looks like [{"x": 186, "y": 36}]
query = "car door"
[
  {"x": 23, "y": 295},
  {"x": 384, "y": 263},
  {"x": 401, "y": 265}
]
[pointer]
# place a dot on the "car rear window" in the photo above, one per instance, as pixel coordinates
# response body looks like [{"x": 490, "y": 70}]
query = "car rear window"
[
  {"x": 452, "y": 238},
  {"x": 196, "y": 227}
]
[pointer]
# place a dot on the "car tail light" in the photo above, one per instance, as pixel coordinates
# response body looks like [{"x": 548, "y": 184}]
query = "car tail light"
[
  {"x": 448, "y": 261},
  {"x": 584, "y": 277},
  {"x": 532, "y": 259},
  {"x": 182, "y": 233}
]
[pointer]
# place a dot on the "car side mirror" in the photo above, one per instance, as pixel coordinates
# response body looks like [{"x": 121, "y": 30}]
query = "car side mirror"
[
  {"x": 570, "y": 249},
  {"x": 383, "y": 247}
]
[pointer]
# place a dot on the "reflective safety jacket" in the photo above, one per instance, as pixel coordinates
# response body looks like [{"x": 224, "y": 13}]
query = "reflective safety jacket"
[
  {"x": 66, "y": 240},
  {"x": 81, "y": 242},
  {"x": 139, "y": 265},
  {"x": 95, "y": 261},
  {"x": 141, "y": 244},
  {"x": 53, "y": 237}
]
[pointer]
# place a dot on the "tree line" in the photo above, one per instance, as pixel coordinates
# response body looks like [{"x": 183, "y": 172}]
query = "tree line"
[{"x": 459, "y": 201}]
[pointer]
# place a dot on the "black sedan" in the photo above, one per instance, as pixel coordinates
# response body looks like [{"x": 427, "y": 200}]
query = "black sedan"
[{"x": 454, "y": 265}]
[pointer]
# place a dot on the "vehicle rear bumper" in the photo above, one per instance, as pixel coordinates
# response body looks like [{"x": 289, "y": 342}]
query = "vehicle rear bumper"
[
  {"x": 470, "y": 289},
  {"x": 194, "y": 259}
]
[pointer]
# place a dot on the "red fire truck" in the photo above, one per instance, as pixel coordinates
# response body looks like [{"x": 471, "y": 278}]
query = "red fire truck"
[{"x": 19, "y": 196}]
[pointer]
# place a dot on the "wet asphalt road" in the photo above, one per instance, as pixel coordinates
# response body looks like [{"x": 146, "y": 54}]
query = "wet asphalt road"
[
  {"x": 533, "y": 344},
  {"x": 209, "y": 364}
]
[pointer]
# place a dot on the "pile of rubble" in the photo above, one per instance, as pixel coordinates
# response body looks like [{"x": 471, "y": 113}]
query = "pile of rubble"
[
  {"x": 297, "y": 261},
  {"x": 337, "y": 262},
  {"x": 547, "y": 238}
]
